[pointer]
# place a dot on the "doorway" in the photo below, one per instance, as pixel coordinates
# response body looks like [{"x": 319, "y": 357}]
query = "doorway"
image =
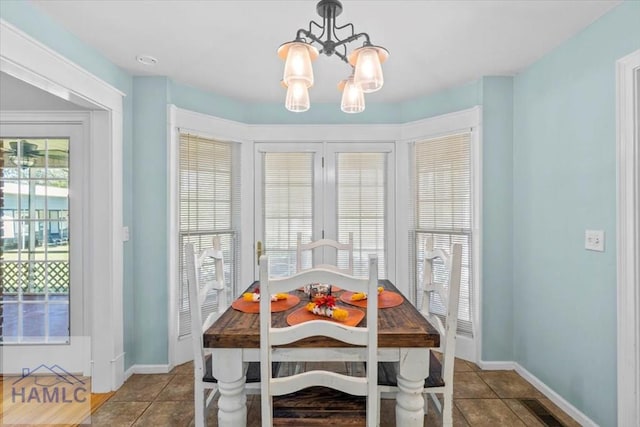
[
  {"x": 30, "y": 61},
  {"x": 42, "y": 200},
  {"x": 628, "y": 237},
  {"x": 325, "y": 190}
]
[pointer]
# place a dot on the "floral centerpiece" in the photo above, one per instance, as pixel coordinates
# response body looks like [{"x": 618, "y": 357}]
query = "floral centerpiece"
[{"x": 326, "y": 306}]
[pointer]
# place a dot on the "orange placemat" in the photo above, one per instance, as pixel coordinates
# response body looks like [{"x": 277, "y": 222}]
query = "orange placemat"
[
  {"x": 386, "y": 299},
  {"x": 254, "y": 307},
  {"x": 303, "y": 315}
]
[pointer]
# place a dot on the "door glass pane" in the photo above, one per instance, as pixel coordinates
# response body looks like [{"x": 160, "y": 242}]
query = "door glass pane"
[
  {"x": 34, "y": 249},
  {"x": 361, "y": 184},
  {"x": 288, "y": 207}
]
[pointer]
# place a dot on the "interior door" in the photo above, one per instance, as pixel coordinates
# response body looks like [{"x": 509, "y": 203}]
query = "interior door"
[{"x": 42, "y": 299}]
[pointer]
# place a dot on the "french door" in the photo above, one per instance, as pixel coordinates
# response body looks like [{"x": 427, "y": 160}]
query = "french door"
[
  {"x": 41, "y": 290},
  {"x": 325, "y": 190}
]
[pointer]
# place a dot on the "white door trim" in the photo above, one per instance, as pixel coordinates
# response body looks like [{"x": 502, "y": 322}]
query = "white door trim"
[
  {"x": 76, "y": 352},
  {"x": 628, "y": 242},
  {"x": 29, "y": 60}
]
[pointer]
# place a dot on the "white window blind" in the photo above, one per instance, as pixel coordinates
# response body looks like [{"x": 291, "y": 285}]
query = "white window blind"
[
  {"x": 361, "y": 194},
  {"x": 442, "y": 186},
  {"x": 209, "y": 190},
  {"x": 287, "y": 207}
]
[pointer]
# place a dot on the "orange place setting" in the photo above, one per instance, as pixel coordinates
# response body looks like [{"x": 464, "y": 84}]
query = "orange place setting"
[
  {"x": 303, "y": 315},
  {"x": 254, "y": 306},
  {"x": 386, "y": 299}
]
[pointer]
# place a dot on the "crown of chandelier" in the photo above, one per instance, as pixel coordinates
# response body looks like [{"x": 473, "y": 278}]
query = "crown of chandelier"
[{"x": 365, "y": 61}]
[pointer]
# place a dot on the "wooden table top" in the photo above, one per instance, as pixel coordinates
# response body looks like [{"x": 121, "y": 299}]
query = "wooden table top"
[{"x": 400, "y": 326}]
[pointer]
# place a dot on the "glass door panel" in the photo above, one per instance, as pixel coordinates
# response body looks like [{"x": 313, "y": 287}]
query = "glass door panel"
[
  {"x": 35, "y": 244},
  {"x": 288, "y": 196}
]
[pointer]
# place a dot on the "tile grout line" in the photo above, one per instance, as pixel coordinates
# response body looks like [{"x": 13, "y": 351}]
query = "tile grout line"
[
  {"x": 151, "y": 402},
  {"x": 509, "y": 407}
]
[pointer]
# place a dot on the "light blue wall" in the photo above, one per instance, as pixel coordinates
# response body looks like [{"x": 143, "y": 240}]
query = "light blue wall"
[
  {"x": 39, "y": 26},
  {"x": 547, "y": 303},
  {"x": 565, "y": 182},
  {"x": 497, "y": 218},
  {"x": 193, "y": 99},
  {"x": 150, "y": 216},
  {"x": 446, "y": 101}
]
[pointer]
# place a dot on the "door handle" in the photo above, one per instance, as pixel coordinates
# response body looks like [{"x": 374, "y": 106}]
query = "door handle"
[{"x": 258, "y": 250}]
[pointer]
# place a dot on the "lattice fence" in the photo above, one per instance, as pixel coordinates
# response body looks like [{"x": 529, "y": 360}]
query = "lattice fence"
[{"x": 33, "y": 277}]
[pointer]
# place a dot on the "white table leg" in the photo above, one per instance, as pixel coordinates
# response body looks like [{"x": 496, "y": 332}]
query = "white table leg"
[
  {"x": 414, "y": 368},
  {"x": 232, "y": 404}
]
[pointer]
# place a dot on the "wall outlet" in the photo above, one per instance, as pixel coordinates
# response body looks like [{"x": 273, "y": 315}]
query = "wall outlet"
[
  {"x": 594, "y": 240},
  {"x": 125, "y": 234}
]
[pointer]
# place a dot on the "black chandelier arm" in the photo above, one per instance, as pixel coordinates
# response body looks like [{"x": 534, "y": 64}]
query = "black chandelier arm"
[
  {"x": 354, "y": 38},
  {"x": 321, "y": 27},
  {"x": 335, "y": 27},
  {"x": 342, "y": 56}
]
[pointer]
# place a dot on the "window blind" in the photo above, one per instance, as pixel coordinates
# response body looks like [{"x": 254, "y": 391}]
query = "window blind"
[
  {"x": 287, "y": 207},
  {"x": 209, "y": 190},
  {"x": 361, "y": 194},
  {"x": 442, "y": 209}
]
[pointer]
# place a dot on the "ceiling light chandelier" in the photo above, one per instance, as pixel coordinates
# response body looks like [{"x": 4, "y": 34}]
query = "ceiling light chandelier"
[{"x": 366, "y": 75}]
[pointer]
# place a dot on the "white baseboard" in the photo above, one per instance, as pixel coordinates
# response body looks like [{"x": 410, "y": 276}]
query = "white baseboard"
[
  {"x": 567, "y": 407},
  {"x": 497, "y": 366},
  {"x": 558, "y": 400},
  {"x": 117, "y": 371},
  {"x": 147, "y": 369}
]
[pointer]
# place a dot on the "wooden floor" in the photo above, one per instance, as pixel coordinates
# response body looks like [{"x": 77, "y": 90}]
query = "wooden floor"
[{"x": 48, "y": 400}]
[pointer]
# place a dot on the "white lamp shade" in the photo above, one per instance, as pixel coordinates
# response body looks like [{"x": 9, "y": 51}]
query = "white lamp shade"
[
  {"x": 352, "y": 97},
  {"x": 368, "y": 70},
  {"x": 297, "y": 96},
  {"x": 298, "y": 62}
]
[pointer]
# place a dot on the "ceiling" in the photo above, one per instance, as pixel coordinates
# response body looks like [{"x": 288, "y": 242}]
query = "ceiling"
[{"x": 229, "y": 47}]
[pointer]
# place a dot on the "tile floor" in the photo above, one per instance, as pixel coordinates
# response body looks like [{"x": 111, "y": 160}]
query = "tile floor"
[{"x": 481, "y": 398}]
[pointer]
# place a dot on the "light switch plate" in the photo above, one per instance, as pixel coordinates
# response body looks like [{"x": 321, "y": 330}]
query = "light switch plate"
[
  {"x": 125, "y": 234},
  {"x": 594, "y": 240}
]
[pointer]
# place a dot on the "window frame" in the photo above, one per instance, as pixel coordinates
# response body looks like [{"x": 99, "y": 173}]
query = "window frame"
[
  {"x": 200, "y": 235},
  {"x": 451, "y": 234},
  {"x": 184, "y": 121},
  {"x": 469, "y": 348}
]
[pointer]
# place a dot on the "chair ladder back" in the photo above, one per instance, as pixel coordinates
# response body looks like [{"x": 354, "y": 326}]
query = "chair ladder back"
[
  {"x": 198, "y": 294},
  {"x": 218, "y": 283},
  {"x": 301, "y": 247},
  {"x": 455, "y": 268},
  {"x": 365, "y": 337},
  {"x": 191, "y": 261},
  {"x": 430, "y": 287}
]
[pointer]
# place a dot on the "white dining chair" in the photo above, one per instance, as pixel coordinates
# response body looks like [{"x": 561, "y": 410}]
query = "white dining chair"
[
  {"x": 205, "y": 275},
  {"x": 299, "y": 396},
  {"x": 440, "y": 380},
  {"x": 310, "y": 246}
]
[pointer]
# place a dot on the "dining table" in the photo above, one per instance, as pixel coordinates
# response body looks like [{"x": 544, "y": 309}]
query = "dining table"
[{"x": 404, "y": 336}]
